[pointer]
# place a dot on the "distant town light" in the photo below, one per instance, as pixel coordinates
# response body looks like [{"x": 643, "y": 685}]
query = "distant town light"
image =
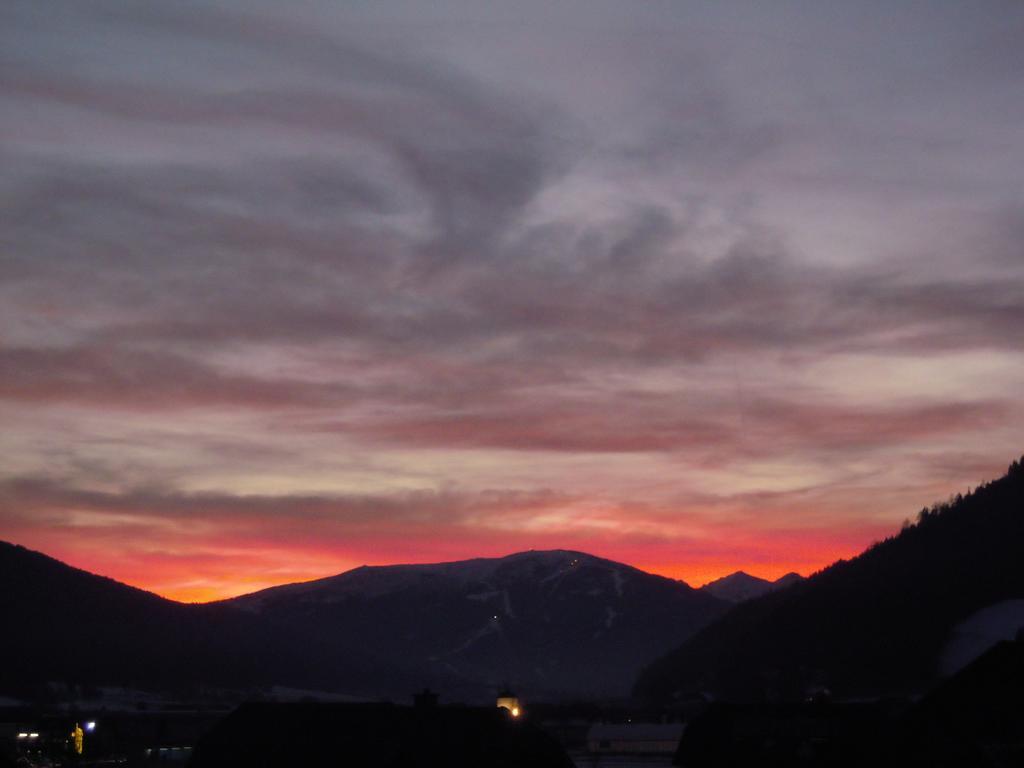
[{"x": 508, "y": 700}]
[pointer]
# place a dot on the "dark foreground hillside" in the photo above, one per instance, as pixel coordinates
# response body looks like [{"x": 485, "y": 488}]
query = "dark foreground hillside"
[
  {"x": 975, "y": 719},
  {"x": 65, "y": 625},
  {"x": 872, "y": 625}
]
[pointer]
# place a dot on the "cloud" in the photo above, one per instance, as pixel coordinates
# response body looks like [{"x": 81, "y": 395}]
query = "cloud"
[
  {"x": 198, "y": 546},
  {"x": 137, "y": 379},
  {"x": 623, "y": 422},
  {"x": 375, "y": 265}
]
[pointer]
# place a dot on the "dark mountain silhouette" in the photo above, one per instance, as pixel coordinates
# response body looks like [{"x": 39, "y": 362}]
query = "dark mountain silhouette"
[
  {"x": 784, "y": 581},
  {"x": 975, "y": 718},
  {"x": 740, "y": 586},
  {"x": 555, "y": 621},
  {"x": 546, "y": 621},
  {"x": 873, "y": 624},
  {"x": 67, "y": 625}
]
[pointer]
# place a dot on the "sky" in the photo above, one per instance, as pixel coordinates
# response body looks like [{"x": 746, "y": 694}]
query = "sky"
[{"x": 287, "y": 288}]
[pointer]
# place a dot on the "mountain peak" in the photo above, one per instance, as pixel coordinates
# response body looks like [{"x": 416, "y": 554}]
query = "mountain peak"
[
  {"x": 376, "y": 580},
  {"x": 737, "y": 587},
  {"x": 785, "y": 580},
  {"x": 739, "y": 576},
  {"x": 546, "y": 618},
  {"x": 740, "y": 586}
]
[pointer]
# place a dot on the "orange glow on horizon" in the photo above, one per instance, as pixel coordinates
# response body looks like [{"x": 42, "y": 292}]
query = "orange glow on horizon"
[
  {"x": 694, "y": 575},
  {"x": 185, "y": 588},
  {"x": 222, "y": 588},
  {"x": 697, "y": 573},
  {"x": 220, "y": 569}
]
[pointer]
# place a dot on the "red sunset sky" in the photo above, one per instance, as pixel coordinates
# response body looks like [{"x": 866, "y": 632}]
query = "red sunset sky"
[{"x": 287, "y": 289}]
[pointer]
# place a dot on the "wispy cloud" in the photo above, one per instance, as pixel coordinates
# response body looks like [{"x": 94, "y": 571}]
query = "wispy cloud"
[{"x": 407, "y": 283}]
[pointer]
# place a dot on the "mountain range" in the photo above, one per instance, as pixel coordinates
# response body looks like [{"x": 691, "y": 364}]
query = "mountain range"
[
  {"x": 879, "y": 623},
  {"x": 740, "y": 586},
  {"x": 550, "y": 623}
]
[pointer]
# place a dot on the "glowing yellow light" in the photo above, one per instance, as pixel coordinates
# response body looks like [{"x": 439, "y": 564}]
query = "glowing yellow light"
[{"x": 508, "y": 701}]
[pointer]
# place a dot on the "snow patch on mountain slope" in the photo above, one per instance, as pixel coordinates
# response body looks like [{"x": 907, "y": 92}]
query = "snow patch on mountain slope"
[
  {"x": 617, "y": 581},
  {"x": 483, "y": 597},
  {"x": 979, "y": 632},
  {"x": 508, "y": 604}
]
